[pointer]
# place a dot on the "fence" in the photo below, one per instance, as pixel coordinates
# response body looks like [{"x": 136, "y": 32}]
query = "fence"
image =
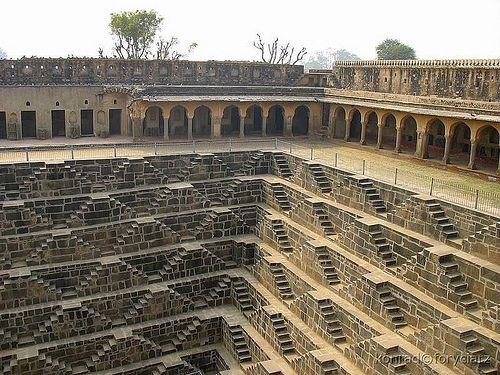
[
  {"x": 464, "y": 195},
  {"x": 479, "y": 199}
]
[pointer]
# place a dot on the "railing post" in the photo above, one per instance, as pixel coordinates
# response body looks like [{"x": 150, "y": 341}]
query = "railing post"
[
  {"x": 336, "y": 159},
  {"x": 194, "y": 145},
  {"x": 276, "y": 143},
  {"x": 72, "y": 153},
  {"x": 230, "y": 145},
  {"x": 114, "y": 150},
  {"x": 396, "y": 176},
  {"x": 27, "y": 154},
  {"x": 432, "y": 185},
  {"x": 156, "y": 152},
  {"x": 291, "y": 150},
  {"x": 363, "y": 167},
  {"x": 312, "y": 153},
  {"x": 476, "y": 203}
]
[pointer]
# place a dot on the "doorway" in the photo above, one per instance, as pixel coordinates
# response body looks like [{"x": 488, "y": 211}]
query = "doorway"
[
  {"x": 58, "y": 123},
  {"x": 28, "y": 123},
  {"x": 115, "y": 121},
  {"x": 87, "y": 121}
]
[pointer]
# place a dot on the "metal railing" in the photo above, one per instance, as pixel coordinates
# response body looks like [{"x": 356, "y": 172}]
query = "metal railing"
[
  {"x": 479, "y": 199},
  {"x": 482, "y": 200}
]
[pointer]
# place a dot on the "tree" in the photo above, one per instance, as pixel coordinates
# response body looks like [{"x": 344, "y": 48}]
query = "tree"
[
  {"x": 134, "y": 32},
  {"x": 325, "y": 58},
  {"x": 3, "y": 54},
  {"x": 165, "y": 49},
  {"x": 277, "y": 53},
  {"x": 393, "y": 49}
]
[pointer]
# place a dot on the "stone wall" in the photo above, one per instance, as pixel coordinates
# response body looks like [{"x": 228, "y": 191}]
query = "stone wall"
[
  {"x": 468, "y": 79},
  {"x": 85, "y": 71}
]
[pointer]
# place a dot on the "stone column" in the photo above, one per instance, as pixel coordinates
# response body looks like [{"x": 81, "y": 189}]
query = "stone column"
[
  {"x": 347, "y": 129},
  {"x": 190, "y": 128},
  {"x": 362, "y": 140},
  {"x": 216, "y": 124},
  {"x": 165, "y": 128},
  {"x": 288, "y": 126},
  {"x": 498, "y": 169},
  {"x": 137, "y": 131},
  {"x": 398, "y": 140},
  {"x": 242, "y": 127},
  {"x": 472, "y": 159},
  {"x": 447, "y": 148},
  {"x": 379, "y": 135},
  {"x": 421, "y": 144},
  {"x": 264, "y": 125}
]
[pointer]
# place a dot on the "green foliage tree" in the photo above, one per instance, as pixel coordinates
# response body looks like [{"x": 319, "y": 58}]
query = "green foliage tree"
[
  {"x": 134, "y": 32},
  {"x": 3, "y": 54},
  {"x": 393, "y": 49}
]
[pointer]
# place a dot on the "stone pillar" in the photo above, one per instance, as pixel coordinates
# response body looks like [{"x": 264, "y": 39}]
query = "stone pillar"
[
  {"x": 216, "y": 124},
  {"x": 379, "y": 135},
  {"x": 363, "y": 133},
  {"x": 421, "y": 144},
  {"x": 190, "y": 128},
  {"x": 165, "y": 128},
  {"x": 347, "y": 129},
  {"x": 472, "y": 159},
  {"x": 264, "y": 125},
  {"x": 498, "y": 169},
  {"x": 137, "y": 130},
  {"x": 425, "y": 146},
  {"x": 242, "y": 127},
  {"x": 447, "y": 148},
  {"x": 288, "y": 126},
  {"x": 398, "y": 139}
]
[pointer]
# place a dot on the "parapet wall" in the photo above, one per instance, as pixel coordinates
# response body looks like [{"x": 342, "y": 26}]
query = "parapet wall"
[
  {"x": 467, "y": 79},
  {"x": 91, "y": 71}
]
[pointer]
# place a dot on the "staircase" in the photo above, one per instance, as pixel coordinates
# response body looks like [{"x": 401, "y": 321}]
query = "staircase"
[
  {"x": 281, "y": 198},
  {"x": 321, "y": 180},
  {"x": 250, "y": 166},
  {"x": 480, "y": 360},
  {"x": 326, "y": 265},
  {"x": 384, "y": 250},
  {"x": 442, "y": 222},
  {"x": 396, "y": 361},
  {"x": 323, "y": 219},
  {"x": 284, "y": 341},
  {"x": 283, "y": 168},
  {"x": 455, "y": 283},
  {"x": 242, "y": 296},
  {"x": 239, "y": 344},
  {"x": 284, "y": 290},
  {"x": 372, "y": 196},
  {"x": 390, "y": 307},
  {"x": 333, "y": 327},
  {"x": 281, "y": 237}
]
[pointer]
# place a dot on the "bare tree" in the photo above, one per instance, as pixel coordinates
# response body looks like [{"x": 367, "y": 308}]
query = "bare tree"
[
  {"x": 278, "y": 53},
  {"x": 165, "y": 49}
]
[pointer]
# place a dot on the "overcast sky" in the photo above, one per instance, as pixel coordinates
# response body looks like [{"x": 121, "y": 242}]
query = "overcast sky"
[{"x": 225, "y": 29}]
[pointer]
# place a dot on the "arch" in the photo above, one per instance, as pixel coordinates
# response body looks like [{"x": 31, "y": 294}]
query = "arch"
[
  {"x": 389, "y": 131},
  {"x": 275, "y": 120},
  {"x": 408, "y": 134},
  {"x": 230, "y": 121},
  {"x": 202, "y": 122},
  {"x": 153, "y": 123},
  {"x": 371, "y": 134},
  {"x": 435, "y": 139},
  {"x": 178, "y": 122},
  {"x": 339, "y": 123},
  {"x": 355, "y": 128},
  {"x": 253, "y": 120},
  {"x": 460, "y": 138},
  {"x": 487, "y": 149},
  {"x": 300, "y": 121}
]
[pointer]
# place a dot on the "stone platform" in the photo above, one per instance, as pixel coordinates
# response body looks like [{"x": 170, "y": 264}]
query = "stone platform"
[{"x": 239, "y": 263}]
